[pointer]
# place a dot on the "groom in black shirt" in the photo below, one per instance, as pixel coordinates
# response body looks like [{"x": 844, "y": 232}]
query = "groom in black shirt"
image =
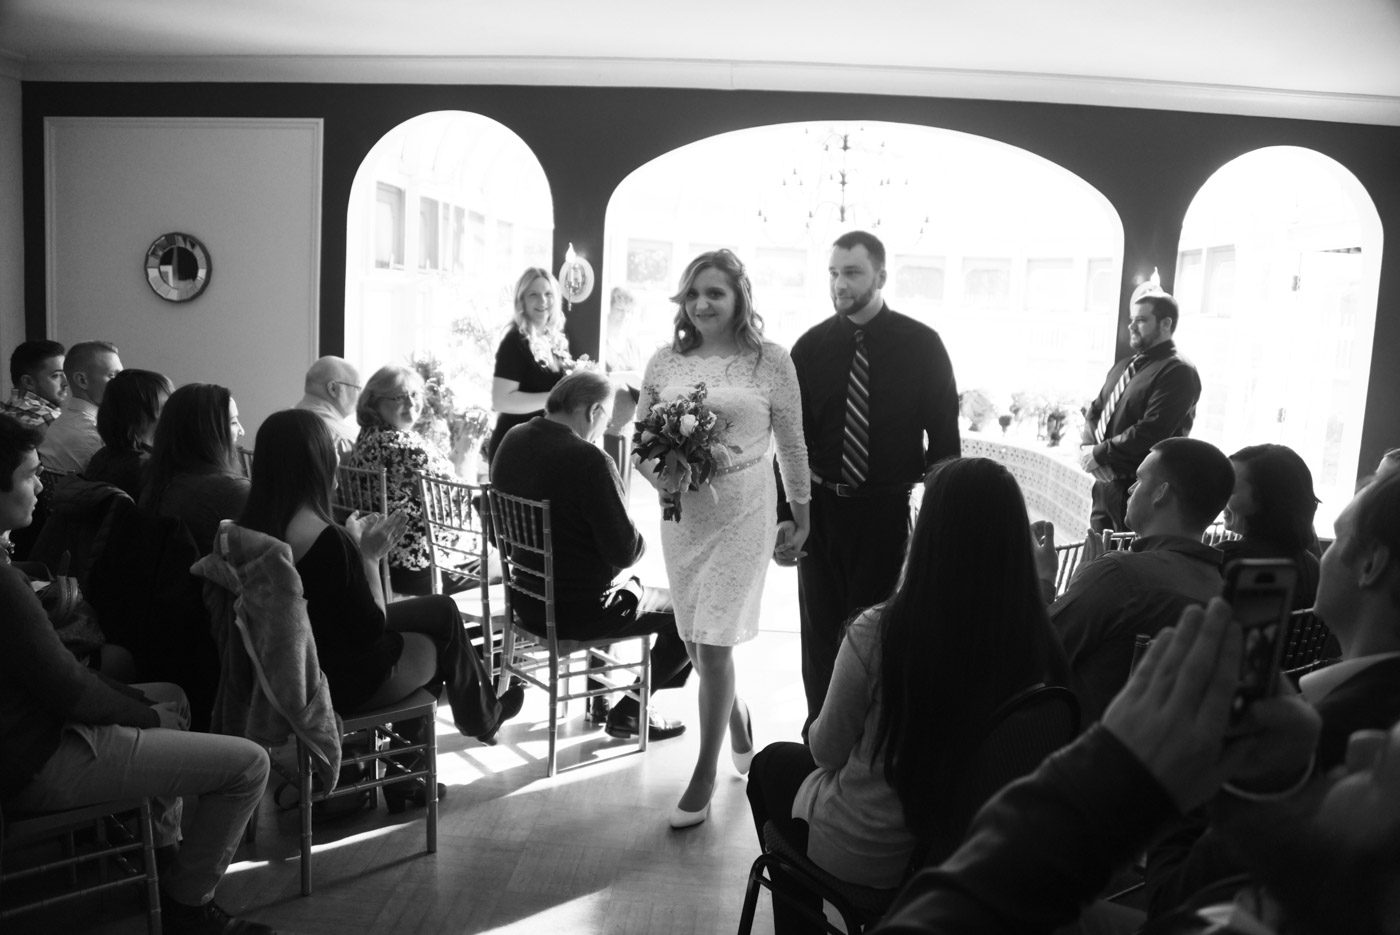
[{"x": 909, "y": 414}]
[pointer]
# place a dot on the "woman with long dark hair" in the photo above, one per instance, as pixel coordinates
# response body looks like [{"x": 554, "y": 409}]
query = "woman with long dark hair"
[
  {"x": 1272, "y": 509},
  {"x": 916, "y": 680},
  {"x": 194, "y": 473},
  {"x": 373, "y": 654},
  {"x": 126, "y": 422}
]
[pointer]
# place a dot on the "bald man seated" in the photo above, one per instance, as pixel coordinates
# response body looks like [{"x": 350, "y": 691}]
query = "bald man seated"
[{"x": 332, "y": 387}]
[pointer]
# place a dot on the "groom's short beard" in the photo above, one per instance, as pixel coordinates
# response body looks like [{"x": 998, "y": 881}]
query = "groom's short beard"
[{"x": 858, "y": 304}]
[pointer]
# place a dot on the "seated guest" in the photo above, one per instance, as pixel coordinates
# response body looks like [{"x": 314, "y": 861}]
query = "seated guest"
[
  {"x": 1359, "y": 596},
  {"x": 1272, "y": 508},
  {"x": 194, "y": 474},
  {"x": 372, "y": 654},
  {"x": 72, "y": 738},
  {"x": 1181, "y": 487},
  {"x": 1322, "y": 859},
  {"x": 126, "y": 421},
  {"x": 387, "y": 410},
  {"x": 916, "y": 678},
  {"x": 72, "y": 439},
  {"x": 332, "y": 389},
  {"x": 40, "y": 386},
  {"x": 553, "y": 457}
]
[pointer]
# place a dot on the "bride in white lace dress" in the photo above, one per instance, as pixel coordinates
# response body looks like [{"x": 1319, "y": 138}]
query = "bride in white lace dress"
[{"x": 717, "y": 555}]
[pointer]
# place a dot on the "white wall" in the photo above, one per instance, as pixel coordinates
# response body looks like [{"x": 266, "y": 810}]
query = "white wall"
[
  {"x": 249, "y": 189},
  {"x": 11, "y": 221}
]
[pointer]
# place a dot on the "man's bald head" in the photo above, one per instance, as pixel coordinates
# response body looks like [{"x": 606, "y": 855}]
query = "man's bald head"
[{"x": 335, "y": 380}]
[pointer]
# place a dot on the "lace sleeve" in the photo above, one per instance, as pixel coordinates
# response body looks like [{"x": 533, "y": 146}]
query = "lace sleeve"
[
  {"x": 785, "y": 402},
  {"x": 651, "y": 381}
]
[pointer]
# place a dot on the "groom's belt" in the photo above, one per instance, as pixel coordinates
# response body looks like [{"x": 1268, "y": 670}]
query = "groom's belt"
[{"x": 864, "y": 490}]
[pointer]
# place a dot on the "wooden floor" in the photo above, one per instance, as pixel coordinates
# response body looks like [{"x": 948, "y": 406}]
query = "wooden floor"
[{"x": 589, "y": 851}]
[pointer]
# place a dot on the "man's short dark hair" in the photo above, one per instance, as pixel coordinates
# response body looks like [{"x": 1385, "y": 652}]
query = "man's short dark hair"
[
  {"x": 852, "y": 239},
  {"x": 580, "y": 389},
  {"x": 1162, "y": 306},
  {"x": 16, "y": 438},
  {"x": 81, "y": 356},
  {"x": 29, "y": 357},
  {"x": 1199, "y": 474}
]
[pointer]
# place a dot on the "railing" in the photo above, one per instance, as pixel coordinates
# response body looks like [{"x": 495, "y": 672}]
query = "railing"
[{"x": 1052, "y": 483}]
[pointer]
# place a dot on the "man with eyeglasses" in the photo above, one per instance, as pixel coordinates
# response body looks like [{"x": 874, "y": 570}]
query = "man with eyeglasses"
[{"x": 332, "y": 387}]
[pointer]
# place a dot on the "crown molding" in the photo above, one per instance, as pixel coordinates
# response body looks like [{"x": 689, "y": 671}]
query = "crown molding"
[{"x": 732, "y": 75}]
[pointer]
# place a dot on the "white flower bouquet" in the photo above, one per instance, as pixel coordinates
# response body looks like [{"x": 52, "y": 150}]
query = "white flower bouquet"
[{"x": 685, "y": 439}]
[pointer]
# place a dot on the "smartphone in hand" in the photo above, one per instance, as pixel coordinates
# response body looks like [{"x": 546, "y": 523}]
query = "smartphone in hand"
[{"x": 1260, "y": 594}]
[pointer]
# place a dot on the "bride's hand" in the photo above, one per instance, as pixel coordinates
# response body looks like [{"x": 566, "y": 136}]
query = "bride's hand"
[
  {"x": 788, "y": 549},
  {"x": 647, "y": 469}
]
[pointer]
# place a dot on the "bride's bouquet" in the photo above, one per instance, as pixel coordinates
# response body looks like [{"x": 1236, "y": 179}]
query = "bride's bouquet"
[{"x": 686, "y": 440}]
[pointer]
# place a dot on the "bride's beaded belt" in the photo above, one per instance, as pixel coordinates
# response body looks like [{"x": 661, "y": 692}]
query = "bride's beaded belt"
[{"x": 733, "y": 468}]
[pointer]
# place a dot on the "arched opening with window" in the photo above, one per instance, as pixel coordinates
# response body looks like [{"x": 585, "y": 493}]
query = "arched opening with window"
[
  {"x": 445, "y": 212},
  {"x": 1277, "y": 274},
  {"x": 1014, "y": 260}
]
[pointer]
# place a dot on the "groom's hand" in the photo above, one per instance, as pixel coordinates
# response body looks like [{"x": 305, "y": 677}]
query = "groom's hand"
[{"x": 788, "y": 549}]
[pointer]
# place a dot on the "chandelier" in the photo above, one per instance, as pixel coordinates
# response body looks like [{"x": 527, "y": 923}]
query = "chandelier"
[{"x": 843, "y": 180}]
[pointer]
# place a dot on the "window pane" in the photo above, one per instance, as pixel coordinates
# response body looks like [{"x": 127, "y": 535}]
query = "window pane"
[{"x": 428, "y": 254}]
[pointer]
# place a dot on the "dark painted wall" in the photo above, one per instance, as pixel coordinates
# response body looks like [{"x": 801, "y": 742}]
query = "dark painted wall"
[{"x": 1149, "y": 164}]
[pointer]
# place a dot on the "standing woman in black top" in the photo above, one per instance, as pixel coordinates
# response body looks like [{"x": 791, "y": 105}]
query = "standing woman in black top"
[{"x": 532, "y": 357}]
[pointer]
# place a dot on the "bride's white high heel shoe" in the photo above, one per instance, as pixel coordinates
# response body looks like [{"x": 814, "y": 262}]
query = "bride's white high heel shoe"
[
  {"x": 742, "y": 761},
  {"x": 681, "y": 818}
]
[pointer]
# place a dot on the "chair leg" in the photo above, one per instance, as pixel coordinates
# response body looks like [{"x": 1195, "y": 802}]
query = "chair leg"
[
  {"x": 430, "y": 754},
  {"x": 304, "y": 775},
  {"x": 643, "y": 712},
  {"x": 750, "y": 897},
  {"x": 507, "y": 658},
  {"x": 553, "y": 712},
  {"x": 148, "y": 854}
]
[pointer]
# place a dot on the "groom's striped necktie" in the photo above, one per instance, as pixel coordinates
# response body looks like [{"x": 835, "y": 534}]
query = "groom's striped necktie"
[
  {"x": 855, "y": 445},
  {"x": 1106, "y": 416}
]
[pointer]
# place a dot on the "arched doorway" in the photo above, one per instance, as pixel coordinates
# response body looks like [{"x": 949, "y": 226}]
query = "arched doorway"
[
  {"x": 445, "y": 211},
  {"x": 1014, "y": 260},
  {"x": 1277, "y": 274}
]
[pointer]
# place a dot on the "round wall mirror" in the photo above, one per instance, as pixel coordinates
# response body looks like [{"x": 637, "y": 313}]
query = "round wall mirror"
[{"x": 177, "y": 267}]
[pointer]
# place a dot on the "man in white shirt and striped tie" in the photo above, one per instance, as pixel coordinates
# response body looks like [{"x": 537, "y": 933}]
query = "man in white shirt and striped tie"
[{"x": 1147, "y": 396}]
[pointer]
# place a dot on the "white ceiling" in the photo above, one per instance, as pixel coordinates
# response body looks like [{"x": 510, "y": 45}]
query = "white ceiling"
[{"x": 1328, "y": 59}]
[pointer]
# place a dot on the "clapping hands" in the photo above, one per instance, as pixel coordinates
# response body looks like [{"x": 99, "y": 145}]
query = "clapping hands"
[{"x": 375, "y": 533}]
